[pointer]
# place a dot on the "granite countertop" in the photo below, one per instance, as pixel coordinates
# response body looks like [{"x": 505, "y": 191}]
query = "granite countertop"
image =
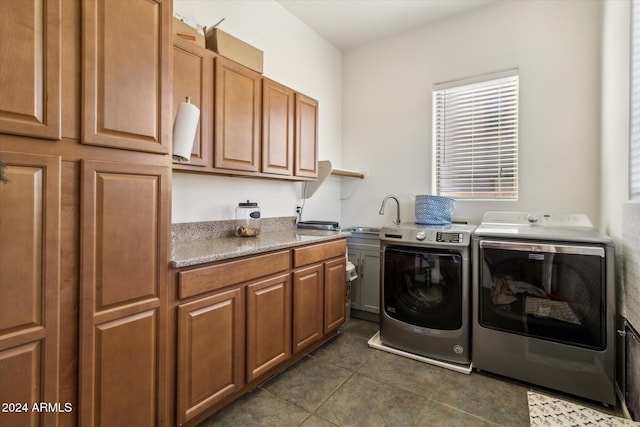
[{"x": 199, "y": 243}]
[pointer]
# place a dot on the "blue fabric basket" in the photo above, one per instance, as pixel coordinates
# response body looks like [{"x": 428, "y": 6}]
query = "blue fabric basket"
[{"x": 434, "y": 210}]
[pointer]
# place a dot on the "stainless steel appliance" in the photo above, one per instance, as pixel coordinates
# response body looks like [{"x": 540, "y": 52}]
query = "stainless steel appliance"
[
  {"x": 544, "y": 302},
  {"x": 425, "y": 276}
]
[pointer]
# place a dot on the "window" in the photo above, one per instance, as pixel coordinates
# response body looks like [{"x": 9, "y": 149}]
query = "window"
[
  {"x": 475, "y": 134},
  {"x": 634, "y": 131}
]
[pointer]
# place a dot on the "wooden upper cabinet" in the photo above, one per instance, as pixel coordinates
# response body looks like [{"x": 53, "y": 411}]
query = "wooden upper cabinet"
[
  {"x": 126, "y": 85},
  {"x": 193, "y": 77},
  {"x": 30, "y": 72},
  {"x": 237, "y": 117},
  {"x": 306, "y": 164},
  {"x": 277, "y": 128},
  {"x": 29, "y": 286}
]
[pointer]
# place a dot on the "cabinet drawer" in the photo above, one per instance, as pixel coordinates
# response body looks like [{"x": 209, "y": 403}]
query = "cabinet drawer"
[
  {"x": 194, "y": 282},
  {"x": 315, "y": 253}
]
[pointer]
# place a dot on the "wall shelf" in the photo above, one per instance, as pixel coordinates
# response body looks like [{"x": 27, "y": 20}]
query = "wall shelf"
[
  {"x": 325, "y": 169},
  {"x": 347, "y": 173}
]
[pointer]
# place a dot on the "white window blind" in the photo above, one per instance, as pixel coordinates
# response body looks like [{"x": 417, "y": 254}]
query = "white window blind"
[
  {"x": 634, "y": 131},
  {"x": 475, "y": 134}
]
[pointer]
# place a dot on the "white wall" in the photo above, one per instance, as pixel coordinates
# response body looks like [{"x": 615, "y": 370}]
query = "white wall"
[
  {"x": 620, "y": 218},
  {"x": 296, "y": 56},
  {"x": 556, "y": 46}
]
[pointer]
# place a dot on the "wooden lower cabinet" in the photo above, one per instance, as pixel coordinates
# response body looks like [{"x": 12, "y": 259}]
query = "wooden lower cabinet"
[
  {"x": 123, "y": 259},
  {"x": 125, "y": 372},
  {"x": 239, "y": 321},
  {"x": 334, "y": 294},
  {"x": 29, "y": 287},
  {"x": 211, "y": 351},
  {"x": 268, "y": 324},
  {"x": 308, "y": 294}
]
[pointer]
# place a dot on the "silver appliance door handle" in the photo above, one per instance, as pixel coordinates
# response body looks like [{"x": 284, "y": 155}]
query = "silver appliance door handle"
[{"x": 541, "y": 247}]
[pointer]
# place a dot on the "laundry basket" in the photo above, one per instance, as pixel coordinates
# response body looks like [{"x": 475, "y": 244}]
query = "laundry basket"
[{"x": 434, "y": 210}]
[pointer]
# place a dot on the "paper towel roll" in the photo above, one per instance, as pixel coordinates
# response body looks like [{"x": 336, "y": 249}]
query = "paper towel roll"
[{"x": 184, "y": 130}]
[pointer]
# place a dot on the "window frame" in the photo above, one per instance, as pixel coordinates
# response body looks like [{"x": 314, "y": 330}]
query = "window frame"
[
  {"x": 634, "y": 104},
  {"x": 467, "y": 87}
]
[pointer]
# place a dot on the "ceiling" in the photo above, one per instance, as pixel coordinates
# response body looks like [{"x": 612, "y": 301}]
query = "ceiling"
[{"x": 350, "y": 23}]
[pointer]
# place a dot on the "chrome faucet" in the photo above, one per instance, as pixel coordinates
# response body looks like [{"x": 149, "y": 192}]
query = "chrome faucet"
[{"x": 381, "y": 212}]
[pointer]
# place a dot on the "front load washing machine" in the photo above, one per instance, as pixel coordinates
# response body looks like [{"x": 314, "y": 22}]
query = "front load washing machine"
[{"x": 425, "y": 276}]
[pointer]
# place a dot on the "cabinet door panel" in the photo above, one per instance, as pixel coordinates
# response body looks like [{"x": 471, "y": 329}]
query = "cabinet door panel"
[
  {"x": 370, "y": 280},
  {"x": 277, "y": 128},
  {"x": 307, "y": 306},
  {"x": 126, "y": 75},
  {"x": 334, "y": 293},
  {"x": 24, "y": 388},
  {"x": 126, "y": 371},
  {"x": 268, "y": 324},
  {"x": 125, "y": 208},
  {"x": 193, "y": 77},
  {"x": 30, "y": 72},
  {"x": 306, "y": 137},
  {"x": 237, "y": 117},
  {"x": 29, "y": 284},
  {"x": 210, "y": 351},
  {"x": 124, "y": 233}
]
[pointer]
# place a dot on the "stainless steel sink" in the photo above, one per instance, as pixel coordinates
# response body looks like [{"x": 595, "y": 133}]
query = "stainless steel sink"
[{"x": 362, "y": 230}]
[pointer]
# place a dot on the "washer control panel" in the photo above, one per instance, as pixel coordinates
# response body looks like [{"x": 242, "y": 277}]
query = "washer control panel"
[
  {"x": 433, "y": 236},
  {"x": 456, "y": 235},
  {"x": 443, "y": 237}
]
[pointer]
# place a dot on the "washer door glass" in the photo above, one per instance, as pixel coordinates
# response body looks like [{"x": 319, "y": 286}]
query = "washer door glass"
[{"x": 423, "y": 287}]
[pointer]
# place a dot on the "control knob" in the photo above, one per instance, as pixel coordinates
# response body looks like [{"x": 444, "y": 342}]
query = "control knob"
[{"x": 421, "y": 235}]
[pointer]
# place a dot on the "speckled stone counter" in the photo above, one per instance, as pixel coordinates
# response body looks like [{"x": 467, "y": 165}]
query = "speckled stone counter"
[{"x": 202, "y": 242}]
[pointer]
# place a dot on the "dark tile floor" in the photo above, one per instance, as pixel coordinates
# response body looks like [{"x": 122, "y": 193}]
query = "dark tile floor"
[{"x": 347, "y": 383}]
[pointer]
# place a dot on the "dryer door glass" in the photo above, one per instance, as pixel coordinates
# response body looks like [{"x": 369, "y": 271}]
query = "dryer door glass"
[
  {"x": 552, "y": 292},
  {"x": 423, "y": 288}
]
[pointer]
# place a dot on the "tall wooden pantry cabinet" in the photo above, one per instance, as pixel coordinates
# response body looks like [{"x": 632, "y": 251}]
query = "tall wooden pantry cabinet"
[{"x": 85, "y": 212}]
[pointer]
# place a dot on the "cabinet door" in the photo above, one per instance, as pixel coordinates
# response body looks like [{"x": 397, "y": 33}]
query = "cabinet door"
[
  {"x": 29, "y": 286},
  {"x": 210, "y": 351},
  {"x": 370, "y": 281},
  {"x": 193, "y": 77},
  {"x": 306, "y": 164},
  {"x": 124, "y": 239},
  {"x": 126, "y": 83},
  {"x": 237, "y": 117},
  {"x": 30, "y": 73},
  {"x": 268, "y": 324},
  {"x": 277, "y": 128},
  {"x": 354, "y": 256},
  {"x": 308, "y": 296},
  {"x": 334, "y": 293}
]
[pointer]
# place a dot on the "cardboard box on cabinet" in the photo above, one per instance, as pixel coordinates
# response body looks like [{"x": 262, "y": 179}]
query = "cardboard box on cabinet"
[
  {"x": 233, "y": 48},
  {"x": 188, "y": 31}
]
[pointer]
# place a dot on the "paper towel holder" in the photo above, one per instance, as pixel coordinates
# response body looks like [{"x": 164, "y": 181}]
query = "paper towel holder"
[{"x": 185, "y": 128}]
